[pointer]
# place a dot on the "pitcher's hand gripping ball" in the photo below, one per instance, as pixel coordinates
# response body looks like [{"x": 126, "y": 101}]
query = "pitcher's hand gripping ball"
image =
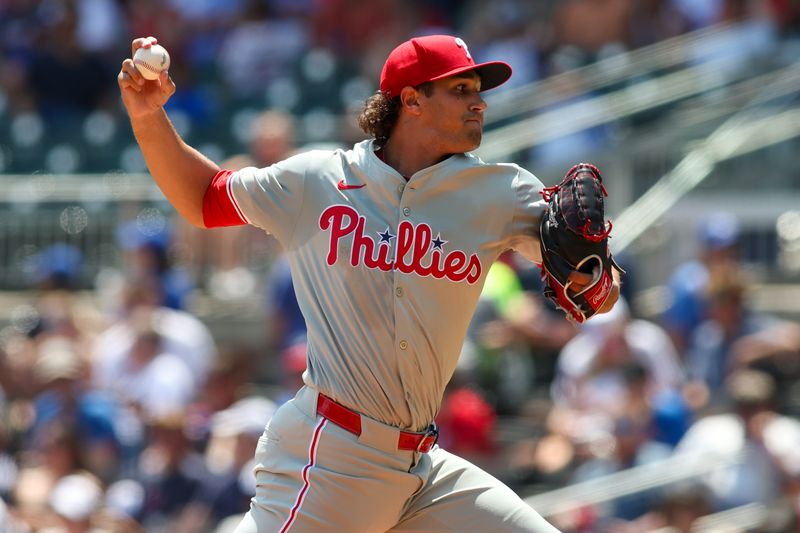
[
  {"x": 151, "y": 61},
  {"x": 574, "y": 236}
]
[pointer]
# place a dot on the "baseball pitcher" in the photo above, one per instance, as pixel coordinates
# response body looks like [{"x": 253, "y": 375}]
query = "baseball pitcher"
[{"x": 389, "y": 245}]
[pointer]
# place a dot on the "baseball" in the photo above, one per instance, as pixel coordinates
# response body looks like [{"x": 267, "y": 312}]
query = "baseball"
[{"x": 151, "y": 61}]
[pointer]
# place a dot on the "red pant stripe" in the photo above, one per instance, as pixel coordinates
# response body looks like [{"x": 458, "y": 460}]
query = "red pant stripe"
[{"x": 312, "y": 458}]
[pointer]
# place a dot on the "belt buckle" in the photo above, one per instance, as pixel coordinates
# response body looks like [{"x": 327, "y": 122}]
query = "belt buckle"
[{"x": 433, "y": 431}]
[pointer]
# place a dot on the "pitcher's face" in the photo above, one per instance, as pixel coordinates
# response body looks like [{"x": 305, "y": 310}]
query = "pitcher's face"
[{"x": 454, "y": 112}]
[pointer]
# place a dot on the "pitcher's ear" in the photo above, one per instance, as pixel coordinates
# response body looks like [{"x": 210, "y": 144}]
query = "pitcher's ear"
[{"x": 409, "y": 99}]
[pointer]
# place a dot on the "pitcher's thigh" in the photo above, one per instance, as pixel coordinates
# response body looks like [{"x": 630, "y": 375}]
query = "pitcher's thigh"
[
  {"x": 459, "y": 497},
  {"x": 260, "y": 519},
  {"x": 314, "y": 477}
]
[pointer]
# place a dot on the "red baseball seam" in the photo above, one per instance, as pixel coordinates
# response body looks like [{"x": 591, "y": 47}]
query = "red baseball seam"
[{"x": 146, "y": 65}]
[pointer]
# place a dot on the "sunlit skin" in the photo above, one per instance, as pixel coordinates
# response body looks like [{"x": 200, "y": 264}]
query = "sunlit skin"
[
  {"x": 453, "y": 114},
  {"x": 433, "y": 127}
]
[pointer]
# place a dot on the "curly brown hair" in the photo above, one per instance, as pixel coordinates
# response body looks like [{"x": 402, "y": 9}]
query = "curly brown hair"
[
  {"x": 381, "y": 111},
  {"x": 379, "y": 116}
]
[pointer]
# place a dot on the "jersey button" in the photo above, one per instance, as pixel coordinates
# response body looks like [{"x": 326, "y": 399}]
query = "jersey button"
[
  {"x": 399, "y": 292},
  {"x": 406, "y": 211},
  {"x": 403, "y": 345},
  {"x": 401, "y": 188}
]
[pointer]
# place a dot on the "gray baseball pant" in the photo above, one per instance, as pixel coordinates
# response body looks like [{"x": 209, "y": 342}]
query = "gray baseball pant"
[{"x": 313, "y": 476}]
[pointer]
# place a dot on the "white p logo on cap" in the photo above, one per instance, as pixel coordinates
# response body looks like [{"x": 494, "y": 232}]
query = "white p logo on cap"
[{"x": 461, "y": 44}]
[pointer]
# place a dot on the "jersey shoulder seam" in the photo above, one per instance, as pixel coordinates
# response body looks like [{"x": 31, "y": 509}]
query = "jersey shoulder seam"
[{"x": 290, "y": 242}]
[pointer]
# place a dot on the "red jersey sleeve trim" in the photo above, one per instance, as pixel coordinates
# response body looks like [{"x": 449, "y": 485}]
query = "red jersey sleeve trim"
[{"x": 219, "y": 205}]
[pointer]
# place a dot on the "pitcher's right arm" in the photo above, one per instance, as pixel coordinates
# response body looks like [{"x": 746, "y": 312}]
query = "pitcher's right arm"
[{"x": 182, "y": 173}]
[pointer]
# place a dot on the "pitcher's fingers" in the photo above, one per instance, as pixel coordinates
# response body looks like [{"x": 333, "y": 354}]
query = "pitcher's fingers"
[
  {"x": 126, "y": 82},
  {"x": 167, "y": 85},
  {"x": 142, "y": 42},
  {"x": 129, "y": 68}
]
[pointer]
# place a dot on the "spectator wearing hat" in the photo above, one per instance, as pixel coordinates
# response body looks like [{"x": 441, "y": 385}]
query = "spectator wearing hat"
[
  {"x": 687, "y": 305},
  {"x": 180, "y": 332},
  {"x": 630, "y": 444},
  {"x": 65, "y": 399},
  {"x": 149, "y": 376},
  {"x": 55, "y": 453},
  {"x": 169, "y": 469},
  {"x": 56, "y": 267},
  {"x": 231, "y": 374},
  {"x": 761, "y": 446},
  {"x": 229, "y": 456},
  {"x": 146, "y": 253},
  {"x": 730, "y": 321},
  {"x": 591, "y": 367}
]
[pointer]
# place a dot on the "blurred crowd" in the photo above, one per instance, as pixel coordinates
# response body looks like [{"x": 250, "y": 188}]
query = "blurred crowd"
[
  {"x": 121, "y": 411},
  {"x": 318, "y": 59}
]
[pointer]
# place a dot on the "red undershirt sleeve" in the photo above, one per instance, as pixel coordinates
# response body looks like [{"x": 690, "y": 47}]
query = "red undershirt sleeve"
[{"x": 219, "y": 205}]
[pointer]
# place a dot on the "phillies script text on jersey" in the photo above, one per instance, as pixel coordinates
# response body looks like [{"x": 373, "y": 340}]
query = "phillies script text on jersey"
[{"x": 413, "y": 243}]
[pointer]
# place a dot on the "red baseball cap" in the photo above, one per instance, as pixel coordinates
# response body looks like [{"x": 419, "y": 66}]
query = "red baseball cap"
[{"x": 434, "y": 57}]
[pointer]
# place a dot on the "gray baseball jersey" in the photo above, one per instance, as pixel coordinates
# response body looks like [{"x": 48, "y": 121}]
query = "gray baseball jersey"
[{"x": 387, "y": 271}]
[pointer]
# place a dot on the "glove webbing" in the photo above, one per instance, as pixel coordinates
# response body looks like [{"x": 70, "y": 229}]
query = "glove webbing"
[{"x": 585, "y": 229}]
